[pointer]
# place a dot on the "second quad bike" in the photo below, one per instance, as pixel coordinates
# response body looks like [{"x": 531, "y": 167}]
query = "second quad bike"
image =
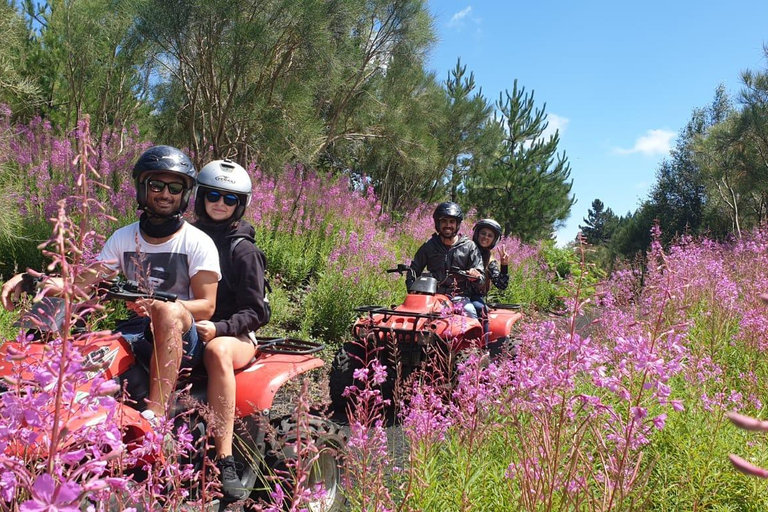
[
  {"x": 404, "y": 337},
  {"x": 265, "y": 440}
]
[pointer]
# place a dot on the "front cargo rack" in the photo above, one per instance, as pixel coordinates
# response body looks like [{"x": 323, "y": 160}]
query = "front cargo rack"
[
  {"x": 387, "y": 312},
  {"x": 499, "y": 305}
]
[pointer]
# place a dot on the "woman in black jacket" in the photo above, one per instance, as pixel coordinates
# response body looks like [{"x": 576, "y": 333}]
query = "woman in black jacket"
[
  {"x": 223, "y": 193},
  {"x": 486, "y": 235}
]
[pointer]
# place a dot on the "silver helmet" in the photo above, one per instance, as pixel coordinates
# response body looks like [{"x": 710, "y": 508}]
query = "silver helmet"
[
  {"x": 489, "y": 224},
  {"x": 225, "y": 176}
]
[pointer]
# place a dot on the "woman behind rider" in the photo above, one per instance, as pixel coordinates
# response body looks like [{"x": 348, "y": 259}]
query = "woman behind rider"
[
  {"x": 486, "y": 235},
  {"x": 223, "y": 193}
]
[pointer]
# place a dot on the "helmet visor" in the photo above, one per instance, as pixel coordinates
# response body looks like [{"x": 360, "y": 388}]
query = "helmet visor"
[
  {"x": 213, "y": 196},
  {"x": 157, "y": 186}
]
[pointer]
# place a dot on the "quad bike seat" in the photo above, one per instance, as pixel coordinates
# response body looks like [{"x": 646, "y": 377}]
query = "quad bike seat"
[{"x": 424, "y": 284}]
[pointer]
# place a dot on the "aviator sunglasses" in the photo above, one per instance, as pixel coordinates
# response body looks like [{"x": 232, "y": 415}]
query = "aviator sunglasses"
[
  {"x": 158, "y": 186},
  {"x": 214, "y": 195}
]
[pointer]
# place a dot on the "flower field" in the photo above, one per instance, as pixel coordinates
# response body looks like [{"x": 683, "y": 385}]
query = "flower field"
[{"x": 616, "y": 401}]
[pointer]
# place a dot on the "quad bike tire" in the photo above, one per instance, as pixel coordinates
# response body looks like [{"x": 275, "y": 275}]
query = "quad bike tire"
[
  {"x": 349, "y": 358},
  {"x": 504, "y": 347},
  {"x": 328, "y": 468}
]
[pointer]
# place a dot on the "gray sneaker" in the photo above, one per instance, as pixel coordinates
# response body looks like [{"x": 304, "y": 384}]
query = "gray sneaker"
[{"x": 231, "y": 487}]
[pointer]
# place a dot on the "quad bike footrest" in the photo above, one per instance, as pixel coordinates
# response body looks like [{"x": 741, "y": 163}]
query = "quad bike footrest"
[{"x": 272, "y": 345}]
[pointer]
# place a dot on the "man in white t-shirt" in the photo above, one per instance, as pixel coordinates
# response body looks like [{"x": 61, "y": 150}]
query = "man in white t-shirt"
[{"x": 167, "y": 254}]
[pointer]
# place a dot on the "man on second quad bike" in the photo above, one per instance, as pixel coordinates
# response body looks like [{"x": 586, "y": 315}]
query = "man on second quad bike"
[{"x": 448, "y": 251}]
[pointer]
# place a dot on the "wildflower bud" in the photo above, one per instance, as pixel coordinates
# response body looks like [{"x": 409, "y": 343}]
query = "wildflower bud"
[
  {"x": 747, "y": 467},
  {"x": 95, "y": 485},
  {"x": 14, "y": 354},
  {"x": 107, "y": 388},
  {"x": 747, "y": 422}
]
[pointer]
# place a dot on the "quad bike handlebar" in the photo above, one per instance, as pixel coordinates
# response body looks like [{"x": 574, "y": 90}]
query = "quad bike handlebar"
[
  {"x": 130, "y": 291},
  {"x": 118, "y": 289},
  {"x": 401, "y": 269},
  {"x": 48, "y": 314},
  {"x": 452, "y": 272}
]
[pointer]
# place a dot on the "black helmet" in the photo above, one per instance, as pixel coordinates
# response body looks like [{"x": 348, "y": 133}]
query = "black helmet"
[
  {"x": 490, "y": 224},
  {"x": 163, "y": 159},
  {"x": 447, "y": 209},
  {"x": 224, "y": 176}
]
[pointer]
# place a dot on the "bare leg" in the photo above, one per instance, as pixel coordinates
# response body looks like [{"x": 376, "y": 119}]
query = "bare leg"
[
  {"x": 222, "y": 356},
  {"x": 169, "y": 322}
]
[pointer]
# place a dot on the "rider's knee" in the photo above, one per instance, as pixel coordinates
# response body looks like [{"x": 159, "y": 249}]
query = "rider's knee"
[
  {"x": 216, "y": 352},
  {"x": 171, "y": 312}
]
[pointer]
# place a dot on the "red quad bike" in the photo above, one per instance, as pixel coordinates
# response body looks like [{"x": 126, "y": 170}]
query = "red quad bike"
[
  {"x": 277, "y": 361},
  {"x": 404, "y": 337}
]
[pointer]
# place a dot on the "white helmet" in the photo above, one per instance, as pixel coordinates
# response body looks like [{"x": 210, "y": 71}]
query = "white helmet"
[{"x": 224, "y": 176}]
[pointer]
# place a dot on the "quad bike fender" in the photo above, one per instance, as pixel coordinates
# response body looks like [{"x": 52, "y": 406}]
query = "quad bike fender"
[
  {"x": 132, "y": 424},
  {"x": 109, "y": 355},
  {"x": 502, "y": 321},
  {"x": 417, "y": 303},
  {"x": 462, "y": 329},
  {"x": 258, "y": 383}
]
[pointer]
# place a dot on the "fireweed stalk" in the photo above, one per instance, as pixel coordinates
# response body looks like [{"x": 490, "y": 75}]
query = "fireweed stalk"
[
  {"x": 368, "y": 460},
  {"x": 582, "y": 407},
  {"x": 62, "y": 445},
  {"x": 44, "y": 408}
]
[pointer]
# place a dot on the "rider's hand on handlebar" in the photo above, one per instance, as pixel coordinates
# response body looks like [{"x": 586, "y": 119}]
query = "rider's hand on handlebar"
[
  {"x": 474, "y": 273},
  {"x": 141, "y": 307},
  {"x": 11, "y": 292}
]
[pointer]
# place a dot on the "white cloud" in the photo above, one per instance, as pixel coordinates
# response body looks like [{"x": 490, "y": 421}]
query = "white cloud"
[
  {"x": 457, "y": 20},
  {"x": 556, "y": 124},
  {"x": 654, "y": 142}
]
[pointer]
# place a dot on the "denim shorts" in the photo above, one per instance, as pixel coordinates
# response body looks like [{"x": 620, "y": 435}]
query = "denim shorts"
[{"x": 137, "y": 332}]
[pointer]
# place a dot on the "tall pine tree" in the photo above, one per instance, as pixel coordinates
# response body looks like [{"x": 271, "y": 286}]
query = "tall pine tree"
[
  {"x": 599, "y": 224},
  {"x": 527, "y": 189}
]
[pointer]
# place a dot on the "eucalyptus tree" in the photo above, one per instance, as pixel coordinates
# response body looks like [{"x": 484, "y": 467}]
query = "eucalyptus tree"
[
  {"x": 78, "y": 55},
  {"x": 527, "y": 189},
  {"x": 17, "y": 91},
  {"x": 277, "y": 81}
]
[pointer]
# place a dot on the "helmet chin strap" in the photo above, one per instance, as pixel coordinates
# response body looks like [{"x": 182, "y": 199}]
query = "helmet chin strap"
[{"x": 170, "y": 224}]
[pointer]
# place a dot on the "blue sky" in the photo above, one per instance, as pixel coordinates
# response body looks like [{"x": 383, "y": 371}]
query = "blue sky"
[{"x": 619, "y": 79}]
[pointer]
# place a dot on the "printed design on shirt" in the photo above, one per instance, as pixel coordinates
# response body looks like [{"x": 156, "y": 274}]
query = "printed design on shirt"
[{"x": 163, "y": 271}]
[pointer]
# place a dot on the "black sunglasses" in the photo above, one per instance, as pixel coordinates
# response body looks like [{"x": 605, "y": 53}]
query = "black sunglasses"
[
  {"x": 158, "y": 186},
  {"x": 214, "y": 195}
]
